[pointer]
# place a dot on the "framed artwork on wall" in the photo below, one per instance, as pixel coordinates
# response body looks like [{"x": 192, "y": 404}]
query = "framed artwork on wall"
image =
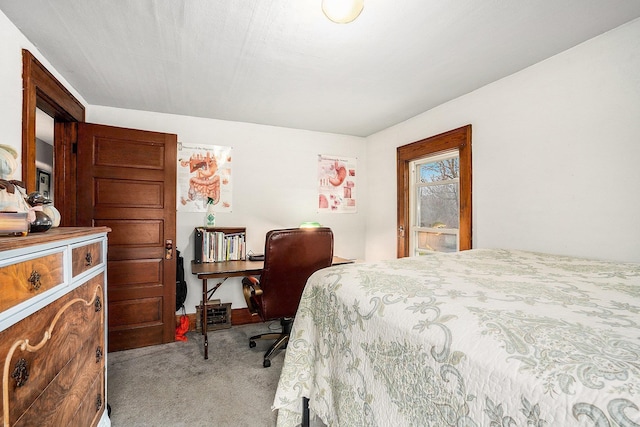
[
  {"x": 204, "y": 173},
  {"x": 44, "y": 183},
  {"x": 336, "y": 184}
]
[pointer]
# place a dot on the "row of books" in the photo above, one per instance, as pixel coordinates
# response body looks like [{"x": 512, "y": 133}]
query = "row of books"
[{"x": 217, "y": 246}]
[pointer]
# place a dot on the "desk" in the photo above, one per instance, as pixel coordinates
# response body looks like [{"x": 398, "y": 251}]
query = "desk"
[{"x": 224, "y": 270}]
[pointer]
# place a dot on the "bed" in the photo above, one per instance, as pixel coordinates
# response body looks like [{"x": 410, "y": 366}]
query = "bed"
[{"x": 476, "y": 338}]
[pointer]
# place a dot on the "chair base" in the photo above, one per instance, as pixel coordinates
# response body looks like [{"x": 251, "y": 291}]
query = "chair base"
[{"x": 282, "y": 339}]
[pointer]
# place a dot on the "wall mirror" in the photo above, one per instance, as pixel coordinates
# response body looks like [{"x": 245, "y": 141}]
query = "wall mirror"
[
  {"x": 44, "y": 154},
  {"x": 42, "y": 91}
]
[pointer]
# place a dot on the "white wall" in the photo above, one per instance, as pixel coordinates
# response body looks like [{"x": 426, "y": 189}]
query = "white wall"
[
  {"x": 274, "y": 182},
  {"x": 13, "y": 41},
  {"x": 275, "y": 169},
  {"x": 556, "y": 155}
]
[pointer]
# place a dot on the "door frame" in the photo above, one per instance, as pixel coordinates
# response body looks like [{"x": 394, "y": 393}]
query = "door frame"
[
  {"x": 42, "y": 90},
  {"x": 459, "y": 139}
]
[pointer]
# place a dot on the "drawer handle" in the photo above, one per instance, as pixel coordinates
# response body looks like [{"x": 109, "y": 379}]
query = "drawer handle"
[
  {"x": 98, "y": 304},
  {"x": 98, "y": 354},
  {"x": 20, "y": 373},
  {"x": 98, "y": 402},
  {"x": 34, "y": 279},
  {"x": 88, "y": 259}
]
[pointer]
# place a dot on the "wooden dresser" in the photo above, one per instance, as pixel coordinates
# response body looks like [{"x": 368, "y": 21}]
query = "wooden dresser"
[{"x": 52, "y": 328}]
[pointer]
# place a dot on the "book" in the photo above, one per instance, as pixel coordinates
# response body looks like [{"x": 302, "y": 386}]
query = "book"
[{"x": 219, "y": 244}]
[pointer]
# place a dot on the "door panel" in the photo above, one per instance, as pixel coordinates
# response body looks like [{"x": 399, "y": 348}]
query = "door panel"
[
  {"x": 130, "y": 233},
  {"x": 113, "y": 192},
  {"x": 127, "y": 182},
  {"x": 139, "y": 312},
  {"x": 132, "y": 273}
]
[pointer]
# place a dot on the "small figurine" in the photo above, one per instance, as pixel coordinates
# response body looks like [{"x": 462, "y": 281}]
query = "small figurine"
[
  {"x": 42, "y": 222},
  {"x": 36, "y": 199}
]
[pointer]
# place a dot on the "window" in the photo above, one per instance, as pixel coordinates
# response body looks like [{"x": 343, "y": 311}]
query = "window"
[
  {"x": 434, "y": 194},
  {"x": 435, "y": 204}
]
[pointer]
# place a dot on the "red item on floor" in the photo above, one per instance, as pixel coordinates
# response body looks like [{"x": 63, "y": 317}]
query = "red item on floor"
[{"x": 182, "y": 328}]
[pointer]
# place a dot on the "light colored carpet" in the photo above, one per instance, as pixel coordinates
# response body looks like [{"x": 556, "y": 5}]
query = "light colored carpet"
[{"x": 172, "y": 384}]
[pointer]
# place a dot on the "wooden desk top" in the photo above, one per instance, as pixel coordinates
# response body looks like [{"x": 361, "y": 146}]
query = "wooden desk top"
[
  {"x": 337, "y": 260},
  {"x": 215, "y": 270},
  {"x": 212, "y": 270}
]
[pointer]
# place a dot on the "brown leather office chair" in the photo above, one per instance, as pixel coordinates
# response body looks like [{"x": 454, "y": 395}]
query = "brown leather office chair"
[{"x": 290, "y": 257}]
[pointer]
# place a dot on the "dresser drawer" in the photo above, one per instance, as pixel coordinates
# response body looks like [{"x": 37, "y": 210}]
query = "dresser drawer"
[
  {"x": 86, "y": 257},
  {"x": 89, "y": 411},
  {"x": 24, "y": 280},
  {"x": 74, "y": 396},
  {"x": 50, "y": 382}
]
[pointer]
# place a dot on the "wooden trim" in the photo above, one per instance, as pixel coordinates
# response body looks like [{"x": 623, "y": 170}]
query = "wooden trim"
[
  {"x": 169, "y": 218},
  {"x": 66, "y": 135},
  {"x": 242, "y": 316},
  {"x": 192, "y": 321},
  {"x": 42, "y": 90},
  {"x": 460, "y": 139},
  {"x": 239, "y": 316}
]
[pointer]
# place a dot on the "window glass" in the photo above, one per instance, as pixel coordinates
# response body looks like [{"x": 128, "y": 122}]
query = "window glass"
[
  {"x": 442, "y": 170},
  {"x": 436, "y": 204},
  {"x": 438, "y": 242}
]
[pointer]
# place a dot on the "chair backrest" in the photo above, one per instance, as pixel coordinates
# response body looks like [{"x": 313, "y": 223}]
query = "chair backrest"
[{"x": 290, "y": 257}]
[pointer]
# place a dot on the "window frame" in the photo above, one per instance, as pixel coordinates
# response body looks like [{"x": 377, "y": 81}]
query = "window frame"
[{"x": 459, "y": 139}]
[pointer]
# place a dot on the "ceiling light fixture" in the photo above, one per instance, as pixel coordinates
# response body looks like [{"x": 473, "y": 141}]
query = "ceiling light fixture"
[{"x": 342, "y": 11}]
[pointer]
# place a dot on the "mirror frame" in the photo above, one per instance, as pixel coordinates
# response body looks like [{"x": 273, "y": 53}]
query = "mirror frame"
[{"x": 42, "y": 90}]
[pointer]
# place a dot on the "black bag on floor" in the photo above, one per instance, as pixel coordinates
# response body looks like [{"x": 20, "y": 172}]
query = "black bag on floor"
[{"x": 181, "y": 285}]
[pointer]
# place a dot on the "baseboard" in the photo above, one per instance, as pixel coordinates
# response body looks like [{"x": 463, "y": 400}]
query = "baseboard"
[
  {"x": 192, "y": 321},
  {"x": 242, "y": 316},
  {"x": 239, "y": 316}
]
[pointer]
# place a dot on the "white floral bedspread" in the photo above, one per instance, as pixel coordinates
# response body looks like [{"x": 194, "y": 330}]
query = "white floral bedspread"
[{"x": 475, "y": 338}]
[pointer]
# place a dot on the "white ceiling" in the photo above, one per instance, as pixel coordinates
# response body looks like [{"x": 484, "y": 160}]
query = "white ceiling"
[{"x": 282, "y": 63}]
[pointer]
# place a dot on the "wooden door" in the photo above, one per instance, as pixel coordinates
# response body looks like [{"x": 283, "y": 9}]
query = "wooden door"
[{"x": 126, "y": 180}]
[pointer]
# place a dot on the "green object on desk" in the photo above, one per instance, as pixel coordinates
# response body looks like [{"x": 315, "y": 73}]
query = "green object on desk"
[{"x": 310, "y": 224}]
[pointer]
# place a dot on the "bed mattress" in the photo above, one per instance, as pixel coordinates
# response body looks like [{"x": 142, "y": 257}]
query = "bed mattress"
[{"x": 484, "y": 337}]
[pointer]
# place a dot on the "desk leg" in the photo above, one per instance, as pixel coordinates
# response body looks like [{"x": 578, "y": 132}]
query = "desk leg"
[{"x": 204, "y": 318}]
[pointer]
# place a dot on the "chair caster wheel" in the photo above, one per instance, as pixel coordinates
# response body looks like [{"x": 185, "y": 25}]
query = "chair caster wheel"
[
  {"x": 266, "y": 363},
  {"x": 252, "y": 344}
]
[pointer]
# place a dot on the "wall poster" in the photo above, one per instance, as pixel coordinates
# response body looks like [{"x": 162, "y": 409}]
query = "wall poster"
[
  {"x": 337, "y": 184},
  {"x": 204, "y": 171}
]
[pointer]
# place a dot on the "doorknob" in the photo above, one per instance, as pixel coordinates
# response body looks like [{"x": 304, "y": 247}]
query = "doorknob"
[{"x": 168, "y": 249}]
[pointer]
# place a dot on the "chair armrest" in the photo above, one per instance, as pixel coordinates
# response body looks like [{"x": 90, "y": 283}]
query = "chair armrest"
[{"x": 251, "y": 288}]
